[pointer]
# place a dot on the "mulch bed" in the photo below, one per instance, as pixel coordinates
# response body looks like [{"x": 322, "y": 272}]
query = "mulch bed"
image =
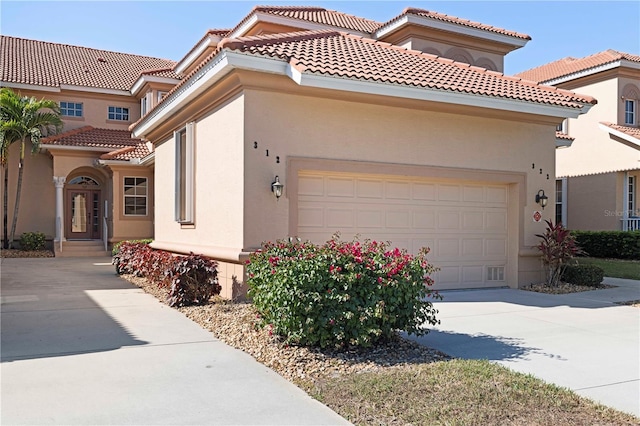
[
  {"x": 564, "y": 288},
  {"x": 14, "y": 253}
]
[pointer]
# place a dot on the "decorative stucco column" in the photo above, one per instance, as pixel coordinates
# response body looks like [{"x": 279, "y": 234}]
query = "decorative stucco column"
[{"x": 59, "y": 183}]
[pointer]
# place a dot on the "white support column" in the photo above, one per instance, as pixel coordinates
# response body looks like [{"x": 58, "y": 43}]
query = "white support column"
[{"x": 59, "y": 183}]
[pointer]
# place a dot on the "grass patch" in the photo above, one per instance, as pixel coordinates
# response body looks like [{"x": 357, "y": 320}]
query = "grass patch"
[
  {"x": 459, "y": 392},
  {"x": 615, "y": 268}
]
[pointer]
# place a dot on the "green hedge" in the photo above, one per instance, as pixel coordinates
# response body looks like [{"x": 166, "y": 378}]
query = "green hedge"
[
  {"x": 610, "y": 244},
  {"x": 590, "y": 275}
]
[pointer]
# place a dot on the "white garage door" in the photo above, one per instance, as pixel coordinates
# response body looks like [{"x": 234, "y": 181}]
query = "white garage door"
[{"x": 464, "y": 224}]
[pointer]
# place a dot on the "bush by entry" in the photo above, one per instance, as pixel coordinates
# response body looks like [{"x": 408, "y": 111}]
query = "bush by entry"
[
  {"x": 193, "y": 279},
  {"x": 341, "y": 293}
]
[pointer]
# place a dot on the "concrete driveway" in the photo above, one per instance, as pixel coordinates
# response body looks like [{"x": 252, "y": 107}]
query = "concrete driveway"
[
  {"x": 82, "y": 346},
  {"x": 583, "y": 341}
]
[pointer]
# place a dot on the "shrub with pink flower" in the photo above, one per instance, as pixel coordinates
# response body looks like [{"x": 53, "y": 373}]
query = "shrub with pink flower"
[{"x": 341, "y": 292}]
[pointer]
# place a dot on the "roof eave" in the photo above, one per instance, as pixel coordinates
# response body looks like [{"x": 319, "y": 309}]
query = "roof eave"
[
  {"x": 434, "y": 95},
  {"x": 517, "y": 42},
  {"x": 621, "y": 135},
  {"x": 227, "y": 60},
  {"x": 139, "y": 84},
  {"x": 289, "y": 22},
  {"x": 563, "y": 143},
  {"x": 38, "y": 87},
  {"x": 590, "y": 71},
  {"x": 75, "y": 148},
  {"x": 210, "y": 40}
]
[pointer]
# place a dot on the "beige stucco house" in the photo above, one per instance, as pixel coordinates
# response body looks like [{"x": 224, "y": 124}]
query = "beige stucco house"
[
  {"x": 405, "y": 131},
  {"x": 598, "y": 173},
  {"x": 91, "y": 185}
]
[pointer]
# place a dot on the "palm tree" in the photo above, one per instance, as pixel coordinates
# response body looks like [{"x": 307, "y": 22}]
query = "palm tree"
[{"x": 23, "y": 119}]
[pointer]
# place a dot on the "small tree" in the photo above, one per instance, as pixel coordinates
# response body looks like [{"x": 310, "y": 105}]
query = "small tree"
[
  {"x": 23, "y": 119},
  {"x": 558, "y": 247}
]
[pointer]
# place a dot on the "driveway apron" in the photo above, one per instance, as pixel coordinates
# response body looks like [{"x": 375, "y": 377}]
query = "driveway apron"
[
  {"x": 82, "y": 346},
  {"x": 584, "y": 341}
]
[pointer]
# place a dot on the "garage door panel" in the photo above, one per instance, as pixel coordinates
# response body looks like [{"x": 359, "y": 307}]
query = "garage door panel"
[
  {"x": 423, "y": 219},
  {"x": 398, "y": 219},
  {"x": 340, "y": 218},
  {"x": 472, "y": 247},
  {"x": 424, "y": 191},
  {"x": 496, "y": 220},
  {"x": 473, "y": 274},
  {"x": 465, "y": 225},
  {"x": 496, "y": 194},
  {"x": 447, "y": 248},
  {"x": 370, "y": 219},
  {"x": 449, "y": 192},
  {"x": 474, "y": 194},
  {"x": 448, "y": 219},
  {"x": 398, "y": 191},
  {"x": 311, "y": 217},
  {"x": 340, "y": 187},
  {"x": 473, "y": 220},
  {"x": 496, "y": 247}
]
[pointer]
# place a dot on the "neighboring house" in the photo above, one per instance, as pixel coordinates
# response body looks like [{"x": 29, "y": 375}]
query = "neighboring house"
[
  {"x": 92, "y": 182},
  {"x": 598, "y": 174},
  {"x": 405, "y": 131}
]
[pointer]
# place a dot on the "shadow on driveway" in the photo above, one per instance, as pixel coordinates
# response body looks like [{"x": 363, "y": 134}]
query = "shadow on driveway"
[{"x": 48, "y": 309}]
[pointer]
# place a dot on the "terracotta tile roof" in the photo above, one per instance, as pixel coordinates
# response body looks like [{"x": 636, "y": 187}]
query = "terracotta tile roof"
[
  {"x": 634, "y": 132},
  {"x": 164, "y": 72},
  {"x": 567, "y": 66},
  {"x": 212, "y": 32},
  {"x": 350, "y": 57},
  {"x": 91, "y": 137},
  {"x": 316, "y": 15},
  {"x": 127, "y": 153},
  {"x": 51, "y": 64},
  {"x": 562, "y": 135},
  {"x": 458, "y": 21}
]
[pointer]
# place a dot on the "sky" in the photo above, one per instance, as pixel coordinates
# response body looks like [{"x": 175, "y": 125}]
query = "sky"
[{"x": 168, "y": 29}]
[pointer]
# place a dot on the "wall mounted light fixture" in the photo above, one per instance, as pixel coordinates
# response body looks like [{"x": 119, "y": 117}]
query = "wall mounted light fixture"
[
  {"x": 542, "y": 199},
  {"x": 277, "y": 187}
]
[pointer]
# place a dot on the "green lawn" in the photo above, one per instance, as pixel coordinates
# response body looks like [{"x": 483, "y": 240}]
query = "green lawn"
[
  {"x": 615, "y": 268},
  {"x": 459, "y": 392}
]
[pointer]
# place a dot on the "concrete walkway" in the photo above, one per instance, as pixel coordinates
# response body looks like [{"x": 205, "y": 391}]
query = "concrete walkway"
[
  {"x": 583, "y": 341},
  {"x": 81, "y": 346}
]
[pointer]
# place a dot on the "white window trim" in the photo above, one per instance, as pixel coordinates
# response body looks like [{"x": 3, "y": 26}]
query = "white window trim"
[
  {"x": 631, "y": 202},
  {"x": 188, "y": 218},
  {"x": 73, "y": 109},
  {"x": 146, "y": 197},
  {"x": 121, "y": 113},
  {"x": 563, "y": 203},
  {"x": 633, "y": 113}
]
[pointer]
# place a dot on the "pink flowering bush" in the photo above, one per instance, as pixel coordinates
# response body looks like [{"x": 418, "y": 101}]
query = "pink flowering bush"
[{"x": 341, "y": 293}]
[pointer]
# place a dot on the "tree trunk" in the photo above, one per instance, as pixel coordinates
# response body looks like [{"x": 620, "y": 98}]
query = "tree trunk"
[
  {"x": 5, "y": 208},
  {"x": 14, "y": 222}
]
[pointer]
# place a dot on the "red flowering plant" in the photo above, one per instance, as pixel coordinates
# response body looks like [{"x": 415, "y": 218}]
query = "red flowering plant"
[
  {"x": 558, "y": 248},
  {"x": 341, "y": 293}
]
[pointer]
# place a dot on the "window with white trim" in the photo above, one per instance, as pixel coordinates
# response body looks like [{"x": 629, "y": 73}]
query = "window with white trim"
[
  {"x": 70, "y": 109},
  {"x": 135, "y": 196},
  {"x": 118, "y": 113},
  {"x": 560, "y": 202},
  {"x": 562, "y": 127},
  {"x": 143, "y": 106},
  {"x": 184, "y": 184},
  {"x": 630, "y": 112},
  {"x": 161, "y": 94},
  {"x": 632, "y": 196}
]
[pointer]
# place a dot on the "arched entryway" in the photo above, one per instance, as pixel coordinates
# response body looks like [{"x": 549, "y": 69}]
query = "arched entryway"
[{"x": 83, "y": 207}]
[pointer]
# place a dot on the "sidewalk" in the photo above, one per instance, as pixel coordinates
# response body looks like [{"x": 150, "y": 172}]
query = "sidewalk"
[
  {"x": 583, "y": 341},
  {"x": 82, "y": 346}
]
